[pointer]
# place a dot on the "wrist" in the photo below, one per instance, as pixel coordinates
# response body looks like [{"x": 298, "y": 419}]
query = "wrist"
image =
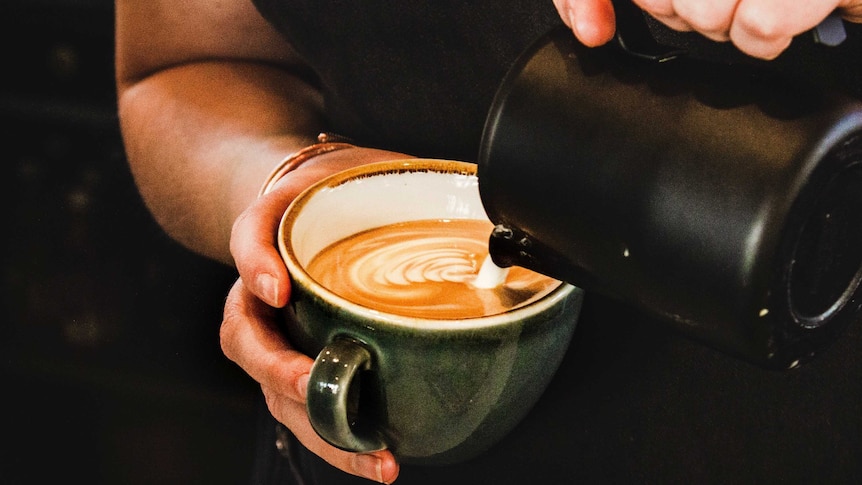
[{"x": 326, "y": 143}]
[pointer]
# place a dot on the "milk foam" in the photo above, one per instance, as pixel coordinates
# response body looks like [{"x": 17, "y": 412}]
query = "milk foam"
[{"x": 424, "y": 269}]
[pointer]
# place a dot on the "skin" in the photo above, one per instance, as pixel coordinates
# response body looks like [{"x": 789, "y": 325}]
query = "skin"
[
  {"x": 211, "y": 98},
  {"x": 760, "y": 28},
  {"x": 210, "y": 87}
]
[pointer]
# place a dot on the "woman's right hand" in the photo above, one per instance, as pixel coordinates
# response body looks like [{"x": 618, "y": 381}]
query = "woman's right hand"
[
  {"x": 207, "y": 107},
  {"x": 250, "y": 337},
  {"x": 250, "y": 334}
]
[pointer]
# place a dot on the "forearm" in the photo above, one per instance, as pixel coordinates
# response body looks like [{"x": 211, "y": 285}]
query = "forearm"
[{"x": 201, "y": 137}]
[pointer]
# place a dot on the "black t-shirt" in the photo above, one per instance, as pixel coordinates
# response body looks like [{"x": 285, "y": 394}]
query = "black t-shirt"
[
  {"x": 417, "y": 77},
  {"x": 633, "y": 402}
]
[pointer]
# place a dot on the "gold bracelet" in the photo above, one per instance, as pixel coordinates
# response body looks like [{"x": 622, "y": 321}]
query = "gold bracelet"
[{"x": 325, "y": 143}]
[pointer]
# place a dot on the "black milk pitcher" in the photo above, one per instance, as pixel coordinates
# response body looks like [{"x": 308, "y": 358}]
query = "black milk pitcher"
[{"x": 721, "y": 198}]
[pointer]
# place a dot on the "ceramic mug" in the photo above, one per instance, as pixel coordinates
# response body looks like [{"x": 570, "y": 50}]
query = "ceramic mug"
[{"x": 432, "y": 391}]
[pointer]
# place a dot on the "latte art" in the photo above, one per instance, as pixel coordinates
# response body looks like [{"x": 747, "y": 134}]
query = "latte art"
[
  {"x": 417, "y": 261},
  {"x": 423, "y": 269}
]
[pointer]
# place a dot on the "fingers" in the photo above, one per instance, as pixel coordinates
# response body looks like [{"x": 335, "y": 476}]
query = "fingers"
[
  {"x": 764, "y": 28},
  {"x": 249, "y": 334},
  {"x": 592, "y": 21},
  {"x": 379, "y": 466},
  {"x": 760, "y": 28},
  {"x": 255, "y": 251},
  {"x": 851, "y": 10},
  {"x": 253, "y": 242},
  {"x": 251, "y": 338},
  {"x": 712, "y": 19}
]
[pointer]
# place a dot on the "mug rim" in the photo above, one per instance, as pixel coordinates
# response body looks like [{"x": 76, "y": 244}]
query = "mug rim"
[{"x": 300, "y": 277}]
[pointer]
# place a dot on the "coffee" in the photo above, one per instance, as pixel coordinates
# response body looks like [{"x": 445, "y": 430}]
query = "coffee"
[
  {"x": 423, "y": 269},
  {"x": 412, "y": 364}
]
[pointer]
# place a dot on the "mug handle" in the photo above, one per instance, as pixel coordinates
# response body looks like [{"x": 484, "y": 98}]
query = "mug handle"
[{"x": 334, "y": 373}]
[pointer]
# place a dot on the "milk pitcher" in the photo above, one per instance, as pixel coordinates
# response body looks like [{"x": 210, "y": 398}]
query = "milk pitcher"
[{"x": 722, "y": 199}]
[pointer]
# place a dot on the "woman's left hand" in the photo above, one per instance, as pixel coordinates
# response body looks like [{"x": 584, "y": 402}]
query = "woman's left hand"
[{"x": 759, "y": 28}]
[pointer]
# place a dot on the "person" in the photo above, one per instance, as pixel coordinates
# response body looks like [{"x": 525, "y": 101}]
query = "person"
[{"x": 212, "y": 95}]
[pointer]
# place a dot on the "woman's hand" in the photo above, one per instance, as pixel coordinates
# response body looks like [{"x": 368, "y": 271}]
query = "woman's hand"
[
  {"x": 760, "y": 28},
  {"x": 251, "y": 338},
  {"x": 592, "y": 21},
  {"x": 250, "y": 335}
]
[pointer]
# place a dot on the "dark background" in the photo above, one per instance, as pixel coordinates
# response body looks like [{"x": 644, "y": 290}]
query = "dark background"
[
  {"x": 110, "y": 365},
  {"x": 111, "y": 370}
]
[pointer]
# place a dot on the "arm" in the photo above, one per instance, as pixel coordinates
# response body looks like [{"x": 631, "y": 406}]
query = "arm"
[
  {"x": 760, "y": 28},
  {"x": 210, "y": 100}
]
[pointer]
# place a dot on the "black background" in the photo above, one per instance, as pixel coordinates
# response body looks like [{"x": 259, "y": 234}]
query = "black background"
[
  {"x": 110, "y": 365},
  {"x": 109, "y": 359}
]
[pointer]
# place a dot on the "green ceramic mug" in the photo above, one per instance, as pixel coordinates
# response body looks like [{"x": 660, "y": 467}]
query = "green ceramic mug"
[{"x": 434, "y": 391}]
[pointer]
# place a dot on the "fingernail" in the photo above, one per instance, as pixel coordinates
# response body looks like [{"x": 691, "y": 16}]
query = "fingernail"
[
  {"x": 267, "y": 288},
  {"x": 369, "y": 466}
]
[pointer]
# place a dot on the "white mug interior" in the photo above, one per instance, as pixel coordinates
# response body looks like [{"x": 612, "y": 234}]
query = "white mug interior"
[{"x": 408, "y": 192}]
